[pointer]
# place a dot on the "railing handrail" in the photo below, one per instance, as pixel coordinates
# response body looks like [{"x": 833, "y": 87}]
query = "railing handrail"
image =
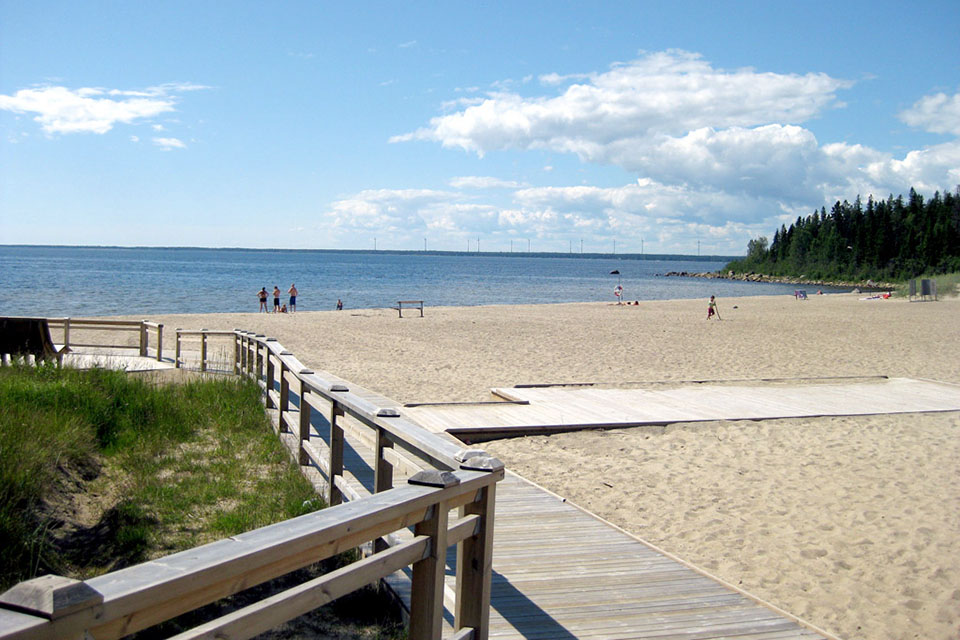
[
  {"x": 125, "y": 601},
  {"x": 439, "y": 452}
]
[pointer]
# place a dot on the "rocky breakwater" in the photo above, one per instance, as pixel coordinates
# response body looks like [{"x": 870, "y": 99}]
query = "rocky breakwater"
[{"x": 759, "y": 277}]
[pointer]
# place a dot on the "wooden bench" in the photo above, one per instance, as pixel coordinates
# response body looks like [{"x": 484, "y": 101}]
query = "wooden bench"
[
  {"x": 416, "y": 304},
  {"x": 29, "y": 336}
]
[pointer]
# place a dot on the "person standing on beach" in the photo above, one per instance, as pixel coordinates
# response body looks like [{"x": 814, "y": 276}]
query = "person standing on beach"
[
  {"x": 293, "y": 298},
  {"x": 276, "y": 299},
  {"x": 262, "y": 295},
  {"x": 712, "y": 308}
]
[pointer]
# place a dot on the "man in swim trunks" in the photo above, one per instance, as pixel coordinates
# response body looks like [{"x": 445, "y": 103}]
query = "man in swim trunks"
[
  {"x": 276, "y": 299},
  {"x": 293, "y": 297},
  {"x": 262, "y": 296}
]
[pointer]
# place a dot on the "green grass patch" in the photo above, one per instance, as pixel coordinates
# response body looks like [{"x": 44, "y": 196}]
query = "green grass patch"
[
  {"x": 948, "y": 285},
  {"x": 172, "y": 467}
]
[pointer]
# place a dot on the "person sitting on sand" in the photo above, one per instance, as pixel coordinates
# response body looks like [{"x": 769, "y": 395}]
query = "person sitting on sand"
[
  {"x": 262, "y": 295},
  {"x": 276, "y": 299},
  {"x": 712, "y": 308},
  {"x": 283, "y": 309}
]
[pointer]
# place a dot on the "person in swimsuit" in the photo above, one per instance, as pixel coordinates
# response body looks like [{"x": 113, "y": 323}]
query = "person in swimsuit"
[
  {"x": 712, "y": 308},
  {"x": 262, "y": 295},
  {"x": 293, "y": 297},
  {"x": 276, "y": 299}
]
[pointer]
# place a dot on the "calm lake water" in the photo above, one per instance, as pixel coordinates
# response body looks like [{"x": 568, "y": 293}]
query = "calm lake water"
[{"x": 99, "y": 281}]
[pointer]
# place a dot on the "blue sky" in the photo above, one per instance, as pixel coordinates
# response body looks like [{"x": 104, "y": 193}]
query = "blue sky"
[{"x": 327, "y": 125}]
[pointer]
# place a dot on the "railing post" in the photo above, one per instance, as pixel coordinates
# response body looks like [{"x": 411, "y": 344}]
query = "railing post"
[
  {"x": 66, "y": 332},
  {"x": 382, "y": 477},
  {"x": 259, "y": 347},
  {"x": 176, "y": 359},
  {"x": 159, "y": 342},
  {"x": 304, "y": 435},
  {"x": 237, "y": 369},
  {"x": 143, "y": 339},
  {"x": 203, "y": 350},
  {"x": 426, "y": 588},
  {"x": 268, "y": 400},
  {"x": 244, "y": 352},
  {"x": 284, "y": 393},
  {"x": 334, "y": 495},
  {"x": 475, "y": 568}
]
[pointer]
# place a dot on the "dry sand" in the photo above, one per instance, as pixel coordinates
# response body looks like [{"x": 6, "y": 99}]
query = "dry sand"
[{"x": 850, "y": 523}]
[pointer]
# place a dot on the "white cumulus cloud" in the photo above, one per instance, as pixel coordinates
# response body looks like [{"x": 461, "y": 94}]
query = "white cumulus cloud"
[
  {"x": 938, "y": 113},
  {"x": 62, "y": 110},
  {"x": 667, "y": 93}
]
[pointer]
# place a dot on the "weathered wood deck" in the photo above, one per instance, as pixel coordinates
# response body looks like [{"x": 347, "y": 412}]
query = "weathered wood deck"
[{"x": 533, "y": 410}]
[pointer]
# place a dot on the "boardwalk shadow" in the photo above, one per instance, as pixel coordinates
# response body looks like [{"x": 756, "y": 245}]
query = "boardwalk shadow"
[{"x": 522, "y": 613}]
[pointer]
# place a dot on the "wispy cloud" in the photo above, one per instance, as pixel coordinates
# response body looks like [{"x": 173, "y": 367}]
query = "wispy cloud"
[
  {"x": 483, "y": 182},
  {"x": 168, "y": 144},
  {"x": 407, "y": 45}
]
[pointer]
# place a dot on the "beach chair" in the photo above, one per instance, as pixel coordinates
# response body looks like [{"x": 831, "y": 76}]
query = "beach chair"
[
  {"x": 29, "y": 336},
  {"x": 801, "y": 295}
]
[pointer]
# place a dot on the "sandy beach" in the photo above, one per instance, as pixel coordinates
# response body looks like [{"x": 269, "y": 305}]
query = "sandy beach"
[{"x": 851, "y": 523}]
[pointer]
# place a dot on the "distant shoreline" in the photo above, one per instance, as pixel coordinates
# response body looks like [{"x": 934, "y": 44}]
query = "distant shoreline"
[
  {"x": 653, "y": 257},
  {"x": 759, "y": 277}
]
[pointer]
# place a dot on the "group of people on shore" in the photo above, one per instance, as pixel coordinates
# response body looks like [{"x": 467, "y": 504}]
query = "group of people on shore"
[{"x": 291, "y": 307}]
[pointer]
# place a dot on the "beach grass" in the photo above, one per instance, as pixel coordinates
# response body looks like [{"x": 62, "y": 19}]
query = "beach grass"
[{"x": 161, "y": 468}]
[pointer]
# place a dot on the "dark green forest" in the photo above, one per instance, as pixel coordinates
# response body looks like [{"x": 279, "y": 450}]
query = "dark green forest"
[{"x": 882, "y": 240}]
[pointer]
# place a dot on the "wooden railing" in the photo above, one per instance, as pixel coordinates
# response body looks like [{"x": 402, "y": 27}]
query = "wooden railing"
[
  {"x": 142, "y": 327},
  {"x": 443, "y": 476},
  {"x": 203, "y": 336}
]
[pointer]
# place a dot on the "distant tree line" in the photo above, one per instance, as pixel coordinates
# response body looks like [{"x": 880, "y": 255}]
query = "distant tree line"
[{"x": 886, "y": 240}]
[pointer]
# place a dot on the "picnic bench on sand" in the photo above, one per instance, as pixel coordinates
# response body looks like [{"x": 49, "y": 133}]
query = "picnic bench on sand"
[
  {"x": 415, "y": 304},
  {"x": 29, "y": 336}
]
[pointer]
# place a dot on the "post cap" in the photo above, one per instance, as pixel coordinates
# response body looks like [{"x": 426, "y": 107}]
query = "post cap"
[
  {"x": 339, "y": 387},
  {"x": 482, "y": 463},
  {"x": 434, "y": 478},
  {"x": 51, "y": 597},
  {"x": 465, "y": 454},
  {"x": 388, "y": 413}
]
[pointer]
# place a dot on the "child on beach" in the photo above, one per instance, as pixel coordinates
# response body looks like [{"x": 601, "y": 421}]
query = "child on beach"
[{"x": 712, "y": 308}]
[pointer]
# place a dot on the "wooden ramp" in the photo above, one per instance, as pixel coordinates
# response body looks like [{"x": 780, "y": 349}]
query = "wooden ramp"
[
  {"x": 561, "y": 573},
  {"x": 548, "y": 409}
]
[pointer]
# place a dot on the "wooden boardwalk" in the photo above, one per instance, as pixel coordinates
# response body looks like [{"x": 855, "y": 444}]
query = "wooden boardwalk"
[
  {"x": 562, "y": 573},
  {"x": 559, "y": 572},
  {"x": 550, "y": 409}
]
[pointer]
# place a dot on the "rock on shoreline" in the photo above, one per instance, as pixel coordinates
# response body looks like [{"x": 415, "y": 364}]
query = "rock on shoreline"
[{"x": 759, "y": 277}]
